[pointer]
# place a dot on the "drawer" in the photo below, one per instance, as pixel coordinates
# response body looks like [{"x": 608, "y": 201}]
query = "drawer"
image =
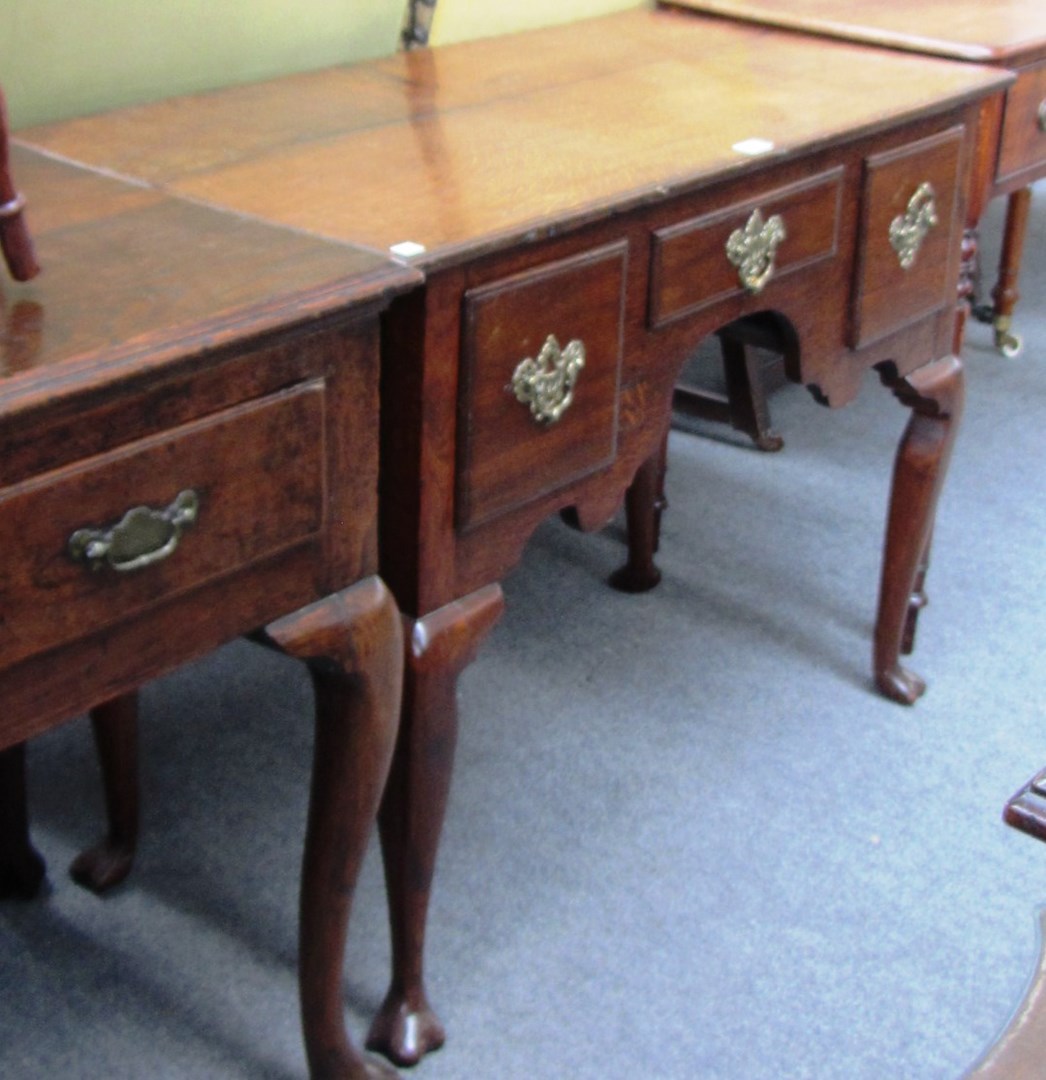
[
  {"x": 517, "y": 333},
  {"x": 693, "y": 262},
  {"x": 209, "y": 497},
  {"x": 908, "y": 237},
  {"x": 1022, "y": 147}
]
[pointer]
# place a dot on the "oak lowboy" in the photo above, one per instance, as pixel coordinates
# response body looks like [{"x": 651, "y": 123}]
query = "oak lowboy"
[
  {"x": 188, "y": 452},
  {"x": 1006, "y": 33},
  {"x": 587, "y": 203}
]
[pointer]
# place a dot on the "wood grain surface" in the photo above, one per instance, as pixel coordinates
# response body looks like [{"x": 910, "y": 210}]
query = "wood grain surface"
[{"x": 477, "y": 146}]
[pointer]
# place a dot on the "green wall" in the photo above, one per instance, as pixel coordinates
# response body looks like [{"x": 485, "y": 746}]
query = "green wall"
[{"x": 61, "y": 58}]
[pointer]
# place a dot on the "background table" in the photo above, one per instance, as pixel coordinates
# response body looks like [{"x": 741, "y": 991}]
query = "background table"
[{"x": 1006, "y": 33}]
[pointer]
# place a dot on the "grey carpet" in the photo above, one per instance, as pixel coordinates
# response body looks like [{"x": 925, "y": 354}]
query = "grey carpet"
[{"x": 685, "y": 841}]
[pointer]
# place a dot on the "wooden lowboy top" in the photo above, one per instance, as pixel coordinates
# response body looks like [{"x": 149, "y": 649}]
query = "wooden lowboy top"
[
  {"x": 133, "y": 278},
  {"x": 986, "y": 31},
  {"x": 473, "y": 147}
]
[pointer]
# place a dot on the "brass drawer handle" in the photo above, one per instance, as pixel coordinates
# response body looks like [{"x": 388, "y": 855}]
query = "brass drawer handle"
[
  {"x": 752, "y": 249},
  {"x": 143, "y": 536},
  {"x": 546, "y": 384},
  {"x": 908, "y": 230},
  {"x": 1042, "y": 116}
]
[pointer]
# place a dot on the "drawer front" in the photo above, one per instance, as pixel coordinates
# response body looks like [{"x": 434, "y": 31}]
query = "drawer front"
[
  {"x": 908, "y": 237},
  {"x": 541, "y": 364},
  {"x": 208, "y": 497},
  {"x": 1023, "y": 144},
  {"x": 727, "y": 252}
]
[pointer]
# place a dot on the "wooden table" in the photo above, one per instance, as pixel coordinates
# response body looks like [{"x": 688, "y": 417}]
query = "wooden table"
[
  {"x": 188, "y": 403},
  {"x": 587, "y": 203},
  {"x": 1006, "y": 33}
]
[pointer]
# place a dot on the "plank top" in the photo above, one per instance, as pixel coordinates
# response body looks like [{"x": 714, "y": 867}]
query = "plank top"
[
  {"x": 465, "y": 148},
  {"x": 131, "y": 274}
]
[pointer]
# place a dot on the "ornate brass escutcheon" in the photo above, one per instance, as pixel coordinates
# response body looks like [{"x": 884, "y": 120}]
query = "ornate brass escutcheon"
[
  {"x": 908, "y": 230},
  {"x": 546, "y": 384},
  {"x": 752, "y": 249},
  {"x": 142, "y": 537}
]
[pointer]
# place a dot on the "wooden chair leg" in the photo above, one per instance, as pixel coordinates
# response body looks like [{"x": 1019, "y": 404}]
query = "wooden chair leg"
[
  {"x": 106, "y": 863},
  {"x": 746, "y": 392},
  {"x": 744, "y": 406}
]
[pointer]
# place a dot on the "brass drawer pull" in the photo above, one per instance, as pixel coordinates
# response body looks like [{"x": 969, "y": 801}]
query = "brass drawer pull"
[
  {"x": 546, "y": 384},
  {"x": 1042, "y": 116},
  {"x": 908, "y": 230},
  {"x": 752, "y": 249},
  {"x": 143, "y": 536}
]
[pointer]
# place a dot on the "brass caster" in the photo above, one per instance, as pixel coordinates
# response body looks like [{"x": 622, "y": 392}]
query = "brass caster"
[
  {"x": 1010, "y": 345},
  {"x": 1007, "y": 342}
]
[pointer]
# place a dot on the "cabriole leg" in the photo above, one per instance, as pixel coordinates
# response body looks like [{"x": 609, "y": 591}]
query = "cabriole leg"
[
  {"x": 935, "y": 395},
  {"x": 439, "y": 647},
  {"x": 353, "y": 644}
]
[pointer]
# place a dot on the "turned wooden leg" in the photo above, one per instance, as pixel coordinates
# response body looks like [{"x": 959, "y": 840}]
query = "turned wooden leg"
[
  {"x": 746, "y": 392},
  {"x": 22, "y": 869},
  {"x": 744, "y": 406},
  {"x": 439, "y": 647},
  {"x": 969, "y": 272},
  {"x": 1005, "y": 294},
  {"x": 107, "y": 863},
  {"x": 354, "y": 648},
  {"x": 935, "y": 395},
  {"x": 642, "y": 522}
]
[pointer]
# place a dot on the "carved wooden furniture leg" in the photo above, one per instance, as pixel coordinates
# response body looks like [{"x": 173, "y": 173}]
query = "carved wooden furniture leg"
[
  {"x": 935, "y": 395},
  {"x": 439, "y": 648},
  {"x": 353, "y": 645},
  {"x": 22, "y": 869},
  {"x": 1005, "y": 294},
  {"x": 642, "y": 522},
  {"x": 746, "y": 390},
  {"x": 107, "y": 863},
  {"x": 969, "y": 274},
  {"x": 744, "y": 406}
]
